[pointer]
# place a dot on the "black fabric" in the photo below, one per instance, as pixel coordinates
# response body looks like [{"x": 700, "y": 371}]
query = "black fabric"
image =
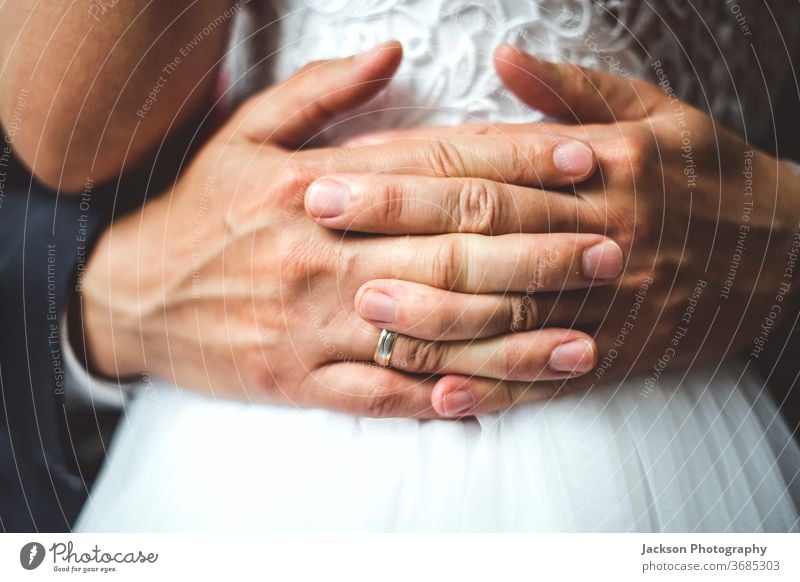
[
  {"x": 46, "y": 238},
  {"x": 48, "y": 459},
  {"x": 780, "y": 364}
]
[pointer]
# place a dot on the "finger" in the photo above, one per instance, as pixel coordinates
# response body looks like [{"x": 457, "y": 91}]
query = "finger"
[
  {"x": 364, "y": 389},
  {"x": 471, "y": 263},
  {"x": 530, "y": 356},
  {"x": 533, "y": 159},
  {"x": 570, "y": 91},
  {"x": 466, "y": 129},
  {"x": 429, "y": 313},
  {"x": 428, "y": 132},
  {"x": 457, "y": 396},
  {"x": 392, "y": 204},
  {"x": 294, "y": 111}
]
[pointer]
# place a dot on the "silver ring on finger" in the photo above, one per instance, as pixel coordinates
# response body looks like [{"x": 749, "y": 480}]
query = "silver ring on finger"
[{"x": 383, "y": 351}]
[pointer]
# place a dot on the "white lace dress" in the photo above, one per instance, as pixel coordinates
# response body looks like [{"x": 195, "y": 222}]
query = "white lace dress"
[{"x": 704, "y": 450}]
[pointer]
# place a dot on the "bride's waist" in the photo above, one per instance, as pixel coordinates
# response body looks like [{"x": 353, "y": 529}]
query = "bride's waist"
[{"x": 639, "y": 397}]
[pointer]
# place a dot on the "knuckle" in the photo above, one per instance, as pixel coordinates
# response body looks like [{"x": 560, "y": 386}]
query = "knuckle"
[
  {"x": 300, "y": 260},
  {"x": 525, "y": 158},
  {"x": 390, "y": 202},
  {"x": 290, "y": 183},
  {"x": 638, "y": 151},
  {"x": 582, "y": 80},
  {"x": 385, "y": 402},
  {"x": 444, "y": 159},
  {"x": 622, "y": 225},
  {"x": 316, "y": 114},
  {"x": 522, "y": 312},
  {"x": 421, "y": 356},
  {"x": 293, "y": 263},
  {"x": 447, "y": 265},
  {"x": 477, "y": 208}
]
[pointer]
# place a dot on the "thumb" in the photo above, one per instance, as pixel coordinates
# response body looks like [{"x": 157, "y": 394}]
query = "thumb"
[
  {"x": 569, "y": 91},
  {"x": 292, "y": 112}
]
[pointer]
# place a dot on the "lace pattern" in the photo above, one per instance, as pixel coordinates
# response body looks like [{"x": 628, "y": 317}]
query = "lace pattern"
[{"x": 728, "y": 59}]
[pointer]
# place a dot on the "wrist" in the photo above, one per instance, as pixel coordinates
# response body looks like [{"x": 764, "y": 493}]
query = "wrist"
[{"x": 115, "y": 317}]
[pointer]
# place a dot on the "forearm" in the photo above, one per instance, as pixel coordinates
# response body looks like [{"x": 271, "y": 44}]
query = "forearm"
[{"x": 85, "y": 96}]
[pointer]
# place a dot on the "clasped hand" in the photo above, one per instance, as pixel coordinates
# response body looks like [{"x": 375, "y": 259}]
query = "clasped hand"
[{"x": 259, "y": 274}]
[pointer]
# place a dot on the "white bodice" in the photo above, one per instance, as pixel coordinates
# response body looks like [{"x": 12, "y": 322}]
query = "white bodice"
[{"x": 714, "y": 52}]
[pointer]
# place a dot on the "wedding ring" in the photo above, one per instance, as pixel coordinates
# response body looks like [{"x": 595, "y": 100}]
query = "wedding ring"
[{"x": 383, "y": 351}]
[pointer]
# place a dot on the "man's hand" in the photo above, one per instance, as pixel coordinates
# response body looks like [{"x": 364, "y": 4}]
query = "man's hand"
[
  {"x": 705, "y": 220},
  {"x": 225, "y": 285}
]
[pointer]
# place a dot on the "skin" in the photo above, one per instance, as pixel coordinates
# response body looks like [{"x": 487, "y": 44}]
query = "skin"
[
  {"x": 466, "y": 309},
  {"x": 225, "y": 285},
  {"x": 77, "y": 76},
  {"x": 85, "y": 75},
  {"x": 679, "y": 239}
]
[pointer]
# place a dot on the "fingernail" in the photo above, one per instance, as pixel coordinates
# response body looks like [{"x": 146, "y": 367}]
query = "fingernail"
[
  {"x": 458, "y": 403},
  {"x": 575, "y": 357},
  {"x": 602, "y": 261},
  {"x": 573, "y": 158},
  {"x": 377, "y": 306},
  {"x": 327, "y": 198}
]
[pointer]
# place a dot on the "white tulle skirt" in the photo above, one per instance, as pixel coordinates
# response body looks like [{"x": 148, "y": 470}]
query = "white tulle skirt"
[{"x": 708, "y": 453}]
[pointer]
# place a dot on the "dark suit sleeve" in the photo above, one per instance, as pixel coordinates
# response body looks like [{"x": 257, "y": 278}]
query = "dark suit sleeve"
[{"x": 45, "y": 240}]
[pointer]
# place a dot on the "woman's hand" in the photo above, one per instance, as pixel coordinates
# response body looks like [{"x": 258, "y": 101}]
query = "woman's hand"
[
  {"x": 225, "y": 285},
  {"x": 706, "y": 221}
]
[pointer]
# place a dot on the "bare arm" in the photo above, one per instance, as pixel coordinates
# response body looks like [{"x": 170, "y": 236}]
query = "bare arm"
[{"x": 87, "y": 88}]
